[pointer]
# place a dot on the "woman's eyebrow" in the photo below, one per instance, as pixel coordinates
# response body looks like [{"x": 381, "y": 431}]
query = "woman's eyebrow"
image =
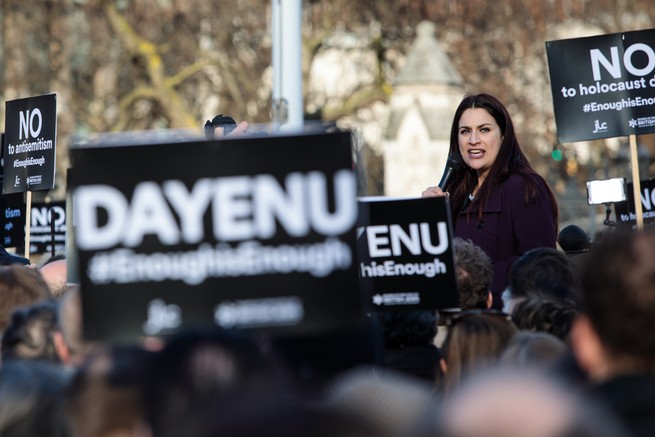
[{"x": 479, "y": 126}]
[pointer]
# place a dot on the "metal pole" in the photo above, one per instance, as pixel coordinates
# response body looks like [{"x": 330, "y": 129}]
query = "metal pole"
[
  {"x": 287, "y": 64},
  {"x": 276, "y": 54}
]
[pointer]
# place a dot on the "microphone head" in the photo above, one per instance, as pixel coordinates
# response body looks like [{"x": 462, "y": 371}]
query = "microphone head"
[
  {"x": 454, "y": 160},
  {"x": 452, "y": 164}
]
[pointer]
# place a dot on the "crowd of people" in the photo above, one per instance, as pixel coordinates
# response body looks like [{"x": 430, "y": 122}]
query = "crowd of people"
[
  {"x": 573, "y": 356},
  {"x": 546, "y": 342}
]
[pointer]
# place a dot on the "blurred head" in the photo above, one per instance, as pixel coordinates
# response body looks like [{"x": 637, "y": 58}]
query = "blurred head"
[
  {"x": 19, "y": 286},
  {"x": 408, "y": 343},
  {"x": 289, "y": 418},
  {"x": 32, "y": 401},
  {"x": 104, "y": 396},
  {"x": 475, "y": 341},
  {"x": 54, "y": 273},
  {"x": 544, "y": 273},
  {"x": 618, "y": 293},
  {"x": 408, "y": 328},
  {"x": 395, "y": 404},
  {"x": 533, "y": 350},
  {"x": 194, "y": 370},
  {"x": 474, "y": 275},
  {"x": 553, "y": 317},
  {"x": 512, "y": 403},
  {"x": 30, "y": 334},
  {"x": 71, "y": 347}
]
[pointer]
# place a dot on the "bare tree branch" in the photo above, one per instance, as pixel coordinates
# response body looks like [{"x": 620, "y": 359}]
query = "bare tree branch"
[
  {"x": 174, "y": 106},
  {"x": 128, "y": 101}
]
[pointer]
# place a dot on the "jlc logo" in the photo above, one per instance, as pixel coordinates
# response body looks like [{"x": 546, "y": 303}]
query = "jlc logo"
[{"x": 599, "y": 127}]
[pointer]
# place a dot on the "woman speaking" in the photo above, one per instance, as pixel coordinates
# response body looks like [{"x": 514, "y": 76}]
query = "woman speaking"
[{"x": 497, "y": 199}]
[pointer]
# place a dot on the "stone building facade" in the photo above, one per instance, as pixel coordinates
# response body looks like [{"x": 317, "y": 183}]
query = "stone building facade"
[{"x": 425, "y": 95}]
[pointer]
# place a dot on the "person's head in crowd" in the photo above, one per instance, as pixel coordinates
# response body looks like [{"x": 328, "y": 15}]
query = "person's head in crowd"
[
  {"x": 475, "y": 341},
  {"x": 532, "y": 350},
  {"x": 104, "y": 396},
  {"x": 497, "y": 165},
  {"x": 394, "y": 403},
  {"x": 408, "y": 343},
  {"x": 291, "y": 418},
  {"x": 30, "y": 333},
  {"x": 544, "y": 273},
  {"x": 69, "y": 342},
  {"x": 474, "y": 275},
  {"x": 573, "y": 240},
  {"x": 196, "y": 369},
  {"x": 32, "y": 400},
  {"x": 19, "y": 286},
  {"x": 553, "y": 317},
  {"x": 613, "y": 335},
  {"x": 512, "y": 403},
  {"x": 54, "y": 273},
  {"x": 304, "y": 355}
]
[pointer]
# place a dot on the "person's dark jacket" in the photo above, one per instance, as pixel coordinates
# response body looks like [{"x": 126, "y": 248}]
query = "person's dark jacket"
[
  {"x": 632, "y": 399},
  {"x": 7, "y": 258},
  {"x": 509, "y": 227}
]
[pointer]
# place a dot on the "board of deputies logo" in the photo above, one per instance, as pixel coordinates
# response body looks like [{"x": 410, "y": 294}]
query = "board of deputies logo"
[
  {"x": 34, "y": 180},
  {"x": 642, "y": 122}
]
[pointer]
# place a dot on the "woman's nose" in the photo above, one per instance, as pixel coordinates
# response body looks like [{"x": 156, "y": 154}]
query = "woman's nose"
[{"x": 473, "y": 139}]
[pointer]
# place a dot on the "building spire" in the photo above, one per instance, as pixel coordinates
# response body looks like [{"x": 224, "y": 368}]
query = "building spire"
[{"x": 426, "y": 62}]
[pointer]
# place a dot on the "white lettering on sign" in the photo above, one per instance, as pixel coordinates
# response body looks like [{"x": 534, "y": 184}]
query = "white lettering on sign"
[
  {"x": 256, "y": 312},
  {"x": 648, "y": 199},
  {"x": 26, "y": 127},
  {"x": 387, "y": 240},
  {"x": 41, "y": 216},
  {"x": 392, "y": 268},
  {"x": 162, "y": 316},
  {"x": 242, "y": 207},
  {"x": 613, "y": 66}
]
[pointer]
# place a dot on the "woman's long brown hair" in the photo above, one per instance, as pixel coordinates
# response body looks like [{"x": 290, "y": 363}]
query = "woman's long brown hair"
[{"x": 510, "y": 161}]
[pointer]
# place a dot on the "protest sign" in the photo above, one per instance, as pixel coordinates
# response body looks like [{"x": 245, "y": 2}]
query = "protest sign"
[
  {"x": 242, "y": 233},
  {"x": 48, "y": 227},
  {"x": 405, "y": 256},
  {"x": 603, "y": 86},
  {"x": 29, "y": 147},
  {"x": 13, "y": 220},
  {"x": 625, "y": 211}
]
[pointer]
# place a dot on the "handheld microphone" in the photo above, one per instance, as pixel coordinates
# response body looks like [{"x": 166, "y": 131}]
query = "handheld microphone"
[{"x": 453, "y": 163}]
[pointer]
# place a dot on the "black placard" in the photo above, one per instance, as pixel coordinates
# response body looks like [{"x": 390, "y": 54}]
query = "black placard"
[
  {"x": 48, "y": 226},
  {"x": 244, "y": 233},
  {"x": 12, "y": 207},
  {"x": 30, "y": 143},
  {"x": 603, "y": 86},
  {"x": 405, "y": 256},
  {"x": 625, "y": 211}
]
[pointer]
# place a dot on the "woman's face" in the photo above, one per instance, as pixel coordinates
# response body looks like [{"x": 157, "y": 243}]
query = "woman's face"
[{"x": 479, "y": 139}]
